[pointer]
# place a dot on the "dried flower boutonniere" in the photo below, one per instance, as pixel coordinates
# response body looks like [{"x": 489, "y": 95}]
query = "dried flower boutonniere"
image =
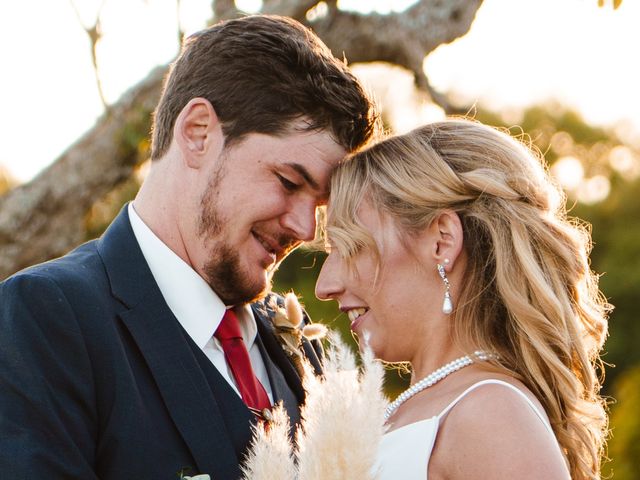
[{"x": 289, "y": 328}]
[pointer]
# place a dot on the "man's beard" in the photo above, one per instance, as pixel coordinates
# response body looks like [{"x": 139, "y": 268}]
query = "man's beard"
[
  {"x": 223, "y": 271},
  {"x": 226, "y": 277}
]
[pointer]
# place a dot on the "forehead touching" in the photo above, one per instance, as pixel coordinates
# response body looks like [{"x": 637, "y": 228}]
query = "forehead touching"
[
  {"x": 361, "y": 191},
  {"x": 311, "y": 155}
]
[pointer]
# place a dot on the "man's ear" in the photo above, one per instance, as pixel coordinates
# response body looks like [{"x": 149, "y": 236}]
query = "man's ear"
[
  {"x": 443, "y": 239},
  {"x": 198, "y": 131}
]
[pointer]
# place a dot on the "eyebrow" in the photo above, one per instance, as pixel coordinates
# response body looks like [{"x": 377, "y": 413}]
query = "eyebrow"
[{"x": 304, "y": 173}]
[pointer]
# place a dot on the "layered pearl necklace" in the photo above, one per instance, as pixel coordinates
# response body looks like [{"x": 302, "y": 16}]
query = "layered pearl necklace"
[{"x": 433, "y": 378}]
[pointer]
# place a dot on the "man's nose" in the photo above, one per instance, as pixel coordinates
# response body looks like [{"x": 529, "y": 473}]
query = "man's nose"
[{"x": 301, "y": 221}]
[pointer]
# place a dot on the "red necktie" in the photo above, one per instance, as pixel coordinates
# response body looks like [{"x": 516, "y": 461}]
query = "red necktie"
[{"x": 237, "y": 356}]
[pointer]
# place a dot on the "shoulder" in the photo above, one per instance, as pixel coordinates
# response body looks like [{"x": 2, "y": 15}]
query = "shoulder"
[
  {"x": 49, "y": 293},
  {"x": 40, "y": 329},
  {"x": 33, "y": 301},
  {"x": 494, "y": 432},
  {"x": 79, "y": 269},
  {"x": 494, "y": 403}
]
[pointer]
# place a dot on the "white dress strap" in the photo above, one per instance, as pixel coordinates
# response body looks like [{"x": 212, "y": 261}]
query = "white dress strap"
[{"x": 540, "y": 415}]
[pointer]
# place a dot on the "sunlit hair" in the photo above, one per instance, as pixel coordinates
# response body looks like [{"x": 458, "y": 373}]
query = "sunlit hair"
[{"x": 528, "y": 294}]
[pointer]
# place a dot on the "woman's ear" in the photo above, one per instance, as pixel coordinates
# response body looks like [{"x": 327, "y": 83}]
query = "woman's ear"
[
  {"x": 197, "y": 131},
  {"x": 443, "y": 239}
]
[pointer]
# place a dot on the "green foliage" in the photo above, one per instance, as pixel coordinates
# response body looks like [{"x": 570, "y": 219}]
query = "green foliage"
[
  {"x": 616, "y": 254},
  {"x": 133, "y": 148},
  {"x": 105, "y": 210},
  {"x": 133, "y": 137},
  {"x": 624, "y": 445},
  {"x": 135, "y": 132}
]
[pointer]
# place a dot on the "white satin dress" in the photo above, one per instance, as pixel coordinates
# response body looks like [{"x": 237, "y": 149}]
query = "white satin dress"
[{"x": 404, "y": 453}]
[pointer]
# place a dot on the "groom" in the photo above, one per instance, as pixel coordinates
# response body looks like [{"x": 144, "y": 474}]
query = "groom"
[{"x": 140, "y": 355}]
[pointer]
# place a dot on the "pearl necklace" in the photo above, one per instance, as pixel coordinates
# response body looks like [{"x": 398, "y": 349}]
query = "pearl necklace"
[{"x": 433, "y": 378}]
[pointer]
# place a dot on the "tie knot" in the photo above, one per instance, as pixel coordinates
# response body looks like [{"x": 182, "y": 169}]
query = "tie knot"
[{"x": 229, "y": 327}]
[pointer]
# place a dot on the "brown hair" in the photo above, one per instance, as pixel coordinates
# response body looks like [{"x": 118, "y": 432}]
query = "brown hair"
[
  {"x": 528, "y": 294},
  {"x": 260, "y": 73}
]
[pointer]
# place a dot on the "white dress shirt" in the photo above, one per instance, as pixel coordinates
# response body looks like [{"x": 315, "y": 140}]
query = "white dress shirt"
[{"x": 196, "y": 306}]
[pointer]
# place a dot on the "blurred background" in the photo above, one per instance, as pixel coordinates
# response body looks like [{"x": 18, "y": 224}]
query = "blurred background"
[{"x": 81, "y": 77}]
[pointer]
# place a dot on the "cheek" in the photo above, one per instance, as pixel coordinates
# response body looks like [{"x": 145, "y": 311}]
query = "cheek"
[
  {"x": 394, "y": 318},
  {"x": 380, "y": 323},
  {"x": 269, "y": 204},
  {"x": 404, "y": 284}
]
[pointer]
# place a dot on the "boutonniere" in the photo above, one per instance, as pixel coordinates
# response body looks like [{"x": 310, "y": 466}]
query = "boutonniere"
[{"x": 289, "y": 328}]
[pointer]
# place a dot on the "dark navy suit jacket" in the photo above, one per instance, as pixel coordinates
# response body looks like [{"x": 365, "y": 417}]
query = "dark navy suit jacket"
[{"x": 99, "y": 380}]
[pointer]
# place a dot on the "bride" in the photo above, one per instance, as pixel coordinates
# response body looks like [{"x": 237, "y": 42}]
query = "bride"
[{"x": 449, "y": 249}]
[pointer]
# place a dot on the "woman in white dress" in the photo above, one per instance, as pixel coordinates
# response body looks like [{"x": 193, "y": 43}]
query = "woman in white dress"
[{"x": 450, "y": 250}]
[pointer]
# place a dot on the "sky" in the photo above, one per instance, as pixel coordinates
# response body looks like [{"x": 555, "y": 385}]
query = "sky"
[{"x": 516, "y": 53}]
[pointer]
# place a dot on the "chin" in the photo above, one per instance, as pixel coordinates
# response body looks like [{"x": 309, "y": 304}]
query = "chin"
[
  {"x": 236, "y": 282},
  {"x": 376, "y": 346},
  {"x": 260, "y": 286}
]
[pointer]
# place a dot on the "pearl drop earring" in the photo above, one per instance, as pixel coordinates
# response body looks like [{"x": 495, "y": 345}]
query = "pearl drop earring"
[{"x": 447, "y": 305}]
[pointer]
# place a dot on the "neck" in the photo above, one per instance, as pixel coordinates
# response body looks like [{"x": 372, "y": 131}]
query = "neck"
[
  {"x": 434, "y": 377},
  {"x": 431, "y": 359},
  {"x": 155, "y": 205}
]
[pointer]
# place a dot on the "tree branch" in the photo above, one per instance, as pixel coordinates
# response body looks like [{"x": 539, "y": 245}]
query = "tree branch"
[
  {"x": 290, "y": 8},
  {"x": 403, "y": 38},
  {"x": 95, "y": 34},
  {"x": 224, "y": 9}
]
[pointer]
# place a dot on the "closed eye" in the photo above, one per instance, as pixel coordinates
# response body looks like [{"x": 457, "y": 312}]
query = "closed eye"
[{"x": 288, "y": 184}]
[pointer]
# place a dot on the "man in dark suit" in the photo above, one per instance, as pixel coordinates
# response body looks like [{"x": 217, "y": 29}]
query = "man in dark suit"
[{"x": 112, "y": 360}]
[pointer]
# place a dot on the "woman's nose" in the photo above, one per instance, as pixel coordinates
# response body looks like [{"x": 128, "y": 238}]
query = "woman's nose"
[{"x": 329, "y": 283}]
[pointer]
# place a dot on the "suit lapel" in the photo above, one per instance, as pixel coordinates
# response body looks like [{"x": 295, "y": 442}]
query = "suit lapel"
[
  {"x": 161, "y": 341},
  {"x": 184, "y": 389},
  {"x": 279, "y": 387}
]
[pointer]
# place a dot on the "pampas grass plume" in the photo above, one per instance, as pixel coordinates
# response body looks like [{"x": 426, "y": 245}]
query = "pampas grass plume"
[
  {"x": 270, "y": 455},
  {"x": 342, "y": 418},
  {"x": 341, "y": 428}
]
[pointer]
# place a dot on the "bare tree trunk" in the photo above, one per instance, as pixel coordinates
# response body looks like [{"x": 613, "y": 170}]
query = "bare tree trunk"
[{"x": 46, "y": 217}]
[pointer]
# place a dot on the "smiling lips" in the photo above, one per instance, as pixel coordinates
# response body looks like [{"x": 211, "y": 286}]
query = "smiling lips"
[
  {"x": 271, "y": 248},
  {"x": 354, "y": 315},
  {"x": 269, "y": 245},
  {"x": 276, "y": 248}
]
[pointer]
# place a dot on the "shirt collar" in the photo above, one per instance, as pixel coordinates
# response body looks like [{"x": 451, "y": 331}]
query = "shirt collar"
[{"x": 196, "y": 306}]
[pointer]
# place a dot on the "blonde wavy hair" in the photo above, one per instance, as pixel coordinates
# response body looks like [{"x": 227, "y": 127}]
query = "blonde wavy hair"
[{"x": 529, "y": 293}]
